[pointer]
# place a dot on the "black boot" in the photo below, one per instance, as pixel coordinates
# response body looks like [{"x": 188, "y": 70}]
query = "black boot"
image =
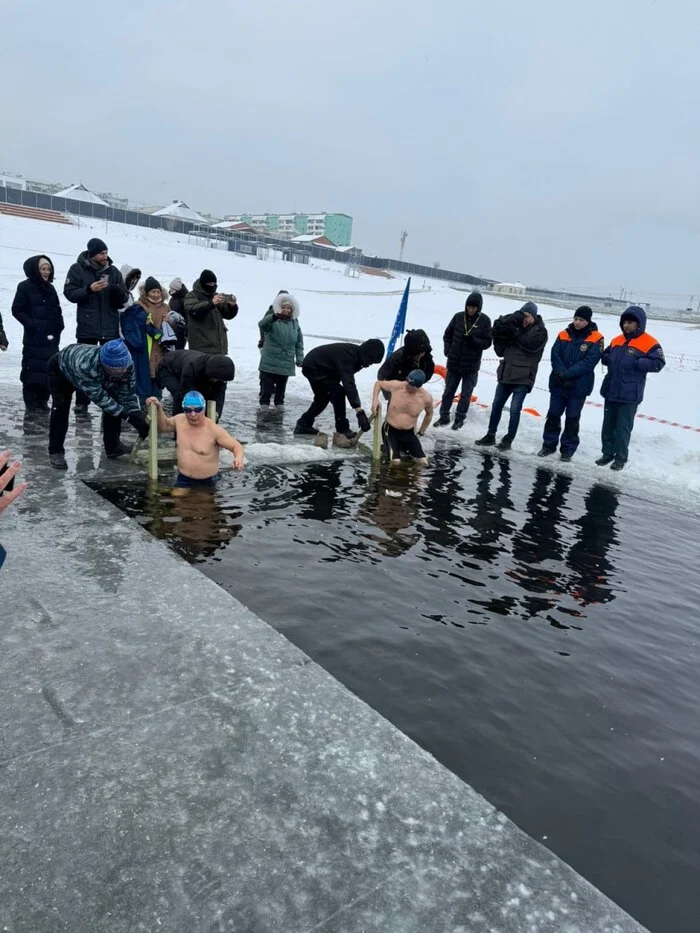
[
  {"x": 604, "y": 460},
  {"x": 458, "y": 423},
  {"x": 441, "y": 422},
  {"x": 505, "y": 443},
  {"x": 546, "y": 451},
  {"x": 486, "y": 441},
  {"x": 565, "y": 456},
  {"x": 118, "y": 451},
  {"x": 301, "y": 427},
  {"x": 58, "y": 461},
  {"x": 618, "y": 464}
]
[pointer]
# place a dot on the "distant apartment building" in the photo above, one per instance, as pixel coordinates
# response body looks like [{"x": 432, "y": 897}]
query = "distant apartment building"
[{"x": 335, "y": 227}]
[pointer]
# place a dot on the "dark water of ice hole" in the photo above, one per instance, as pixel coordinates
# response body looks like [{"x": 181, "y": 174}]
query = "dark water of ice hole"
[{"x": 539, "y": 636}]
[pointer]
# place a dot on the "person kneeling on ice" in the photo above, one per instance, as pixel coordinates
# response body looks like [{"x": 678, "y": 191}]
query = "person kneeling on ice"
[
  {"x": 520, "y": 339},
  {"x": 575, "y": 354},
  {"x": 408, "y": 400},
  {"x": 198, "y": 440},
  {"x": 330, "y": 370},
  {"x": 282, "y": 348},
  {"x": 629, "y": 358},
  {"x": 106, "y": 376}
]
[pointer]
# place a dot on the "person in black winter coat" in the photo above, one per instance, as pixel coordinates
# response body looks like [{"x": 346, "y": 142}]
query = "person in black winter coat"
[
  {"x": 4, "y": 342},
  {"x": 178, "y": 292},
  {"x": 96, "y": 286},
  {"x": 331, "y": 370},
  {"x": 181, "y": 371},
  {"x": 37, "y": 308},
  {"x": 519, "y": 338},
  {"x": 416, "y": 353},
  {"x": 467, "y": 336}
]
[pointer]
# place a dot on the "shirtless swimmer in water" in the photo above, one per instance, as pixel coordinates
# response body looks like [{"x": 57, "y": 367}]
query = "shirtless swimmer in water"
[
  {"x": 408, "y": 400},
  {"x": 198, "y": 441}
]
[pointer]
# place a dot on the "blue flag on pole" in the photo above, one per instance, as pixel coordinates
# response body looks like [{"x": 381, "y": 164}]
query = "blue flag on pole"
[{"x": 400, "y": 322}]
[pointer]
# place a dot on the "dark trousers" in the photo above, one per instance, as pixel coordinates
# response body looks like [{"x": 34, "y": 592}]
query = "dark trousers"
[
  {"x": 272, "y": 383},
  {"x": 452, "y": 381},
  {"x": 61, "y": 395},
  {"x": 326, "y": 391},
  {"x": 504, "y": 391},
  {"x": 215, "y": 393},
  {"x": 35, "y": 397},
  {"x": 560, "y": 404},
  {"x": 80, "y": 397},
  {"x": 618, "y": 421}
]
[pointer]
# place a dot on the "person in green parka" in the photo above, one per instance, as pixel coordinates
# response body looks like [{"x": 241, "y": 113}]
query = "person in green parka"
[{"x": 282, "y": 348}]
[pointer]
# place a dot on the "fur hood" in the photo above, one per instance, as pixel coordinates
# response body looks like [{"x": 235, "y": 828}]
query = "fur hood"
[
  {"x": 286, "y": 300},
  {"x": 132, "y": 273}
]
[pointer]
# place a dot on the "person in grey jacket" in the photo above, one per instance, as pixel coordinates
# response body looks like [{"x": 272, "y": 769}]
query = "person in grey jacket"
[{"x": 520, "y": 339}]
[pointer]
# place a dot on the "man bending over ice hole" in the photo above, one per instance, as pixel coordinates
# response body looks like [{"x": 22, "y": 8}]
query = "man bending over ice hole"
[
  {"x": 198, "y": 441},
  {"x": 408, "y": 400}
]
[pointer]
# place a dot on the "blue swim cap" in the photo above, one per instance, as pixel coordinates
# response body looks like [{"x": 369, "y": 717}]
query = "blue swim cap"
[
  {"x": 416, "y": 378},
  {"x": 194, "y": 400}
]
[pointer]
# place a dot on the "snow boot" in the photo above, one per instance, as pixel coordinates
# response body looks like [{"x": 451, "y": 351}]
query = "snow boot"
[
  {"x": 604, "y": 461},
  {"x": 617, "y": 464},
  {"x": 546, "y": 451},
  {"x": 440, "y": 422},
  {"x": 58, "y": 461},
  {"x": 505, "y": 443},
  {"x": 488, "y": 440},
  {"x": 565, "y": 456},
  {"x": 345, "y": 439},
  {"x": 458, "y": 423},
  {"x": 301, "y": 427}
]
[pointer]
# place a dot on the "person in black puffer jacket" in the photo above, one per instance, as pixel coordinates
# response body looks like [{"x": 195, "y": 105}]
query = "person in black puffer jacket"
[
  {"x": 331, "y": 370},
  {"x": 37, "y": 308},
  {"x": 416, "y": 353},
  {"x": 96, "y": 286},
  {"x": 520, "y": 338},
  {"x": 467, "y": 336}
]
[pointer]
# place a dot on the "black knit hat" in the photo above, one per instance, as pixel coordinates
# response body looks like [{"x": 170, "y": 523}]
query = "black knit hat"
[
  {"x": 151, "y": 283},
  {"x": 584, "y": 312},
  {"x": 207, "y": 277},
  {"x": 95, "y": 246}
]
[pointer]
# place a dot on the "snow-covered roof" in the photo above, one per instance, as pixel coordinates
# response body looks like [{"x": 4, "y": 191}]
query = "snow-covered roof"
[
  {"x": 181, "y": 210},
  {"x": 81, "y": 193},
  {"x": 510, "y": 285}
]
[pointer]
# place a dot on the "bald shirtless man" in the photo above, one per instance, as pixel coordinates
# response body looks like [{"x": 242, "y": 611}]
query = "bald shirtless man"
[
  {"x": 408, "y": 400},
  {"x": 198, "y": 441}
]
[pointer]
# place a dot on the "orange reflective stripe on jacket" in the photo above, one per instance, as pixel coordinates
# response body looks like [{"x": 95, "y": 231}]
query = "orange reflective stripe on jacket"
[
  {"x": 591, "y": 338},
  {"x": 644, "y": 343}
]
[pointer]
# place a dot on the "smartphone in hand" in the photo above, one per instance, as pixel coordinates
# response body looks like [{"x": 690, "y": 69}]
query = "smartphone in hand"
[{"x": 11, "y": 485}]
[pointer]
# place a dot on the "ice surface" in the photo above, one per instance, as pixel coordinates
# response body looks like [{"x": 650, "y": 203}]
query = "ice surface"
[{"x": 664, "y": 460}]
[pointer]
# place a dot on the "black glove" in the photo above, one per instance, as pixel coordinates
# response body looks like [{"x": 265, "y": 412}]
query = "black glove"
[
  {"x": 138, "y": 420},
  {"x": 363, "y": 421}
]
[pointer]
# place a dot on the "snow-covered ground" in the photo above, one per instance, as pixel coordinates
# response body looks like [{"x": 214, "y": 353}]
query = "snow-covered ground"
[{"x": 664, "y": 459}]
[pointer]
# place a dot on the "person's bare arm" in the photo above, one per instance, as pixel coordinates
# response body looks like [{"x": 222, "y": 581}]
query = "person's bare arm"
[
  {"x": 428, "y": 416},
  {"x": 224, "y": 440},
  {"x": 165, "y": 425},
  {"x": 383, "y": 385}
]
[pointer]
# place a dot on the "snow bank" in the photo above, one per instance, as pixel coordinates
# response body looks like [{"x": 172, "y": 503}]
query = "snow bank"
[{"x": 664, "y": 460}]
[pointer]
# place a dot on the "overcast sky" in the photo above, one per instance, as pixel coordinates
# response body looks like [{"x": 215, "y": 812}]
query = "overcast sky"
[{"x": 551, "y": 142}]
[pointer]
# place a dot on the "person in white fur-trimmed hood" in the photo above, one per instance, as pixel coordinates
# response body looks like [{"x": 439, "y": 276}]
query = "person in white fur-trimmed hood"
[{"x": 282, "y": 349}]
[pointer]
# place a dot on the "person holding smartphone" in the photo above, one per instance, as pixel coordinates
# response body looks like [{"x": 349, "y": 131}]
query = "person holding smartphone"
[{"x": 96, "y": 286}]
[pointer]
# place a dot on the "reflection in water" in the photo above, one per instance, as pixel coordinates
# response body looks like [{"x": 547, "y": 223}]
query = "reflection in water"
[
  {"x": 391, "y": 505},
  {"x": 425, "y": 592}
]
